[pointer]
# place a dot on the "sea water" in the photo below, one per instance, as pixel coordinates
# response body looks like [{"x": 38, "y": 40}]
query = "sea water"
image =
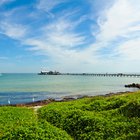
[{"x": 23, "y": 88}]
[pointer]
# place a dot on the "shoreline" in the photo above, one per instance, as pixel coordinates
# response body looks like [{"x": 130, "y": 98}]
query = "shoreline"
[{"x": 41, "y": 103}]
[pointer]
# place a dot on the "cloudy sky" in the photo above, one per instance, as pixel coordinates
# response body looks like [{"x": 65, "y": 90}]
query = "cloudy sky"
[{"x": 70, "y": 35}]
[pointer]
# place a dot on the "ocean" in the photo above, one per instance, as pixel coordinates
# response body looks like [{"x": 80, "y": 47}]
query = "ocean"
[{"x": 23, "y": 88}]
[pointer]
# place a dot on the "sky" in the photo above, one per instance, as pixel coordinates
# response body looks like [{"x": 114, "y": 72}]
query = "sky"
[{"x": 70, "y": 36}]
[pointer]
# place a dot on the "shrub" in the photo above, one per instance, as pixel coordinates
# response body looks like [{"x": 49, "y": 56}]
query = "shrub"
[
  {"x": 107, "y": 118},
  {"x": 131, "y": 109},
  {"x": 22, "y": 123}
]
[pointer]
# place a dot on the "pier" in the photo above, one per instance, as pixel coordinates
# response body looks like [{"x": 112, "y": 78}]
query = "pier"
[
  {"x": 91, "y": 74},
  {"x": 103, "y": 74}
]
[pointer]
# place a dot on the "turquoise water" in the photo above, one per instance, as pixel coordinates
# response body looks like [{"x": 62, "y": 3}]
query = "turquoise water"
[{"x": 22, "y": 88}]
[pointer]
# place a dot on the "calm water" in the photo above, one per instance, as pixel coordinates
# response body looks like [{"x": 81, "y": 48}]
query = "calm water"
[{"x": 22, "y": 88}]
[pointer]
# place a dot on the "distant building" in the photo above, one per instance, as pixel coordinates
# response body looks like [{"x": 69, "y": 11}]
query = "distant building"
[{"x": 49, "y": 73}]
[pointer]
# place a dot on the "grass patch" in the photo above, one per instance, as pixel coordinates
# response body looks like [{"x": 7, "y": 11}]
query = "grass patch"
[
  {"x": 97, "y": 118},
  {"x": 22, "y": 124},
  {"x": 115, "y": 117}
]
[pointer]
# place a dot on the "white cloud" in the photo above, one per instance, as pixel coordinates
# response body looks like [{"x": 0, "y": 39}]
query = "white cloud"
[
  {"x": 118, "y": 30},
  {"x": 58, "y": 37},
  {"x": 61, "y": 34},
  {"x": 130, "y": 50},
  {"x": 119, "y": 25},
  {"x": 12, "y": 30},
  {"x": 48, "y": 5},
  {"x": 120, "y": 18}
]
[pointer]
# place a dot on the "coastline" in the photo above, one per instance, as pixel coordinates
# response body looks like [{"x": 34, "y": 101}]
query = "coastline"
[
  {"x": 40, "y": 103},
  {"x": 34, "y": 89}
]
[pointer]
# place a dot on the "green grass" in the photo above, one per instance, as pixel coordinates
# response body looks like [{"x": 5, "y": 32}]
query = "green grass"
[
  {"x": 98, "y": 118},
  {"x": 22, "y": 124}
]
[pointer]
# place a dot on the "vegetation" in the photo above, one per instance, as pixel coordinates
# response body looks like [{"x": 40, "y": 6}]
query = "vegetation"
[
  {"x": 22, "y": 124},
  {"x": 98, "y": 118},
  {"x": 115, "y": 117}
]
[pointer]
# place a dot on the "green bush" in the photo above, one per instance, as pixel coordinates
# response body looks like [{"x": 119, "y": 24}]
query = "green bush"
[
  {"x": 22, "y": 124},
  {"x": 99, "y": 118},
  {"x": 131, "y": 109}
]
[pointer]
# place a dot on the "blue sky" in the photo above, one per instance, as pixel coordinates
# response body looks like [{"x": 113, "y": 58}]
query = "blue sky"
[{"x": 70, "y": 35}]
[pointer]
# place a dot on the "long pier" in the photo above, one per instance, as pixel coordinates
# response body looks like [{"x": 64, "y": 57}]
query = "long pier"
[
  {"x": 92, "y": 74},
  {"x": 103, "y": 74}
]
